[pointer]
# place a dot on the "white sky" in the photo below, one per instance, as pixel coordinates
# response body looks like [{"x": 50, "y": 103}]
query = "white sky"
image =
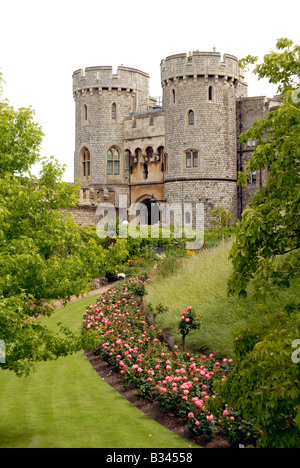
[{"x": 43, "y": 42}]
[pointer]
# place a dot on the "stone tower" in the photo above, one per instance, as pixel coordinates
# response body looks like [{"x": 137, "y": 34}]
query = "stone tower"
[
  {"x": 171, "y": 157},
  {"x": 199, "y": 101},
  {"x": 103, "y": 100}
]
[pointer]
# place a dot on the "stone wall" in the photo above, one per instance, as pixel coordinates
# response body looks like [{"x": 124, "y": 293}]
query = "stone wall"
[
  {"x": 85, "y": 215},
  {"x": 205, "y": 108},
  {"x": 248, "y": 110},
  {"x": 204, "y": 85}
]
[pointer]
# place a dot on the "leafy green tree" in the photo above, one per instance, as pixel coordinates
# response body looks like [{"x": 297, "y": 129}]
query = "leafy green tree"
[
  {"x": 221, "y": 218},
  {"x": 264, "y": 385},
  {"x": 268, "y": 238},
  {"x": 20, "y": 138},
  {"x": 42, "y": 255}
]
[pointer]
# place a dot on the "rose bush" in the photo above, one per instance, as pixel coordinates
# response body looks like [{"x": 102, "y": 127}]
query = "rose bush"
[{"x": 182, "y": 383}]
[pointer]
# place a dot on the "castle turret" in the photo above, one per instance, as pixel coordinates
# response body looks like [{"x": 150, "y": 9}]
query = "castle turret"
[
  {"x": 199, "y": 100},
  {"x": 103, "y": 100}
]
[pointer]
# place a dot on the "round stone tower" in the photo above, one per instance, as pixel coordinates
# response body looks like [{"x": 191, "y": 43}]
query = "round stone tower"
[
  {"x": 199, "y": 101},
  {"x": 103, "y": 99}
]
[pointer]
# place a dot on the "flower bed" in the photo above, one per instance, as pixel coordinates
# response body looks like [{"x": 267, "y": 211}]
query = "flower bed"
[{"x": 181, "y": 382}]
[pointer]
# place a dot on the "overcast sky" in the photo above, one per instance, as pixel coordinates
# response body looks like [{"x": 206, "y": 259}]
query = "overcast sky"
[{"x": 43, "y": 42}]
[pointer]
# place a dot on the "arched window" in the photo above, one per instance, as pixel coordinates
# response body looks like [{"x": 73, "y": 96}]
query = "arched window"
[
  {"x": 191, "y": 159},
  {"x": 113, "y": 111},
  {"x": 191, "y": 117},
  {"x": 86, "y": 163},
  {"x": 187, "y": 217},
  {"x": 85, "y": 113},
  {"x": 113, "y": 162},
  {"x": 149, "y": 153},
  {"x": 211, "y": 93},
  {"x": 173, "y": 96}
]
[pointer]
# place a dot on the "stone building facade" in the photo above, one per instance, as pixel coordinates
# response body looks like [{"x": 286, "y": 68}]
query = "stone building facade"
[{"x": 131, "y": 149}]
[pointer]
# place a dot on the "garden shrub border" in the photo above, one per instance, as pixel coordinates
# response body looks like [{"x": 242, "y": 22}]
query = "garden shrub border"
[{"x": 182, "y": 383}]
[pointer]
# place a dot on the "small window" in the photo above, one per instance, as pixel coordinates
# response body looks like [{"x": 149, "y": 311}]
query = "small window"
[
  {"x": 173, "y": 96},
  {"x": 188, "y": 160},
  {"x": 191, "y": 117},
  {"x": 251, "y": 143},
  {"x": 113, "y": 162},
  {"x": 86, "y": 163},
  {"x": 149, "y": 153},
  {"x": 211, "y": 93},
  {"x": 192, "y": 159},
  {"x": 251, "y": 179},
  {"x": 165, "y": 165},
  {"x": 85, "y": 113},
  {"x": 114, "y": 111},
  {"x": 187, "y": 217},
  {"x": 146, "y": 171}
]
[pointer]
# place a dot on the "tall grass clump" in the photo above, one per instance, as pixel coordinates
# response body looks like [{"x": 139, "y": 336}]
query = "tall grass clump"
[{"x": 201, "y": 282}]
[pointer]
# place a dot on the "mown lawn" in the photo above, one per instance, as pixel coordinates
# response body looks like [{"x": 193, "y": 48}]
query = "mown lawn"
[{"x": 65, "y": 404}]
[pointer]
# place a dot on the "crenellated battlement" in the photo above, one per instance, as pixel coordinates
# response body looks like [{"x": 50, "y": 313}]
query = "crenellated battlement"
[
  {"x": 103, "y": 78},
  {"x": 181, "y": 150},
  {"x": 202, "y": 64}
]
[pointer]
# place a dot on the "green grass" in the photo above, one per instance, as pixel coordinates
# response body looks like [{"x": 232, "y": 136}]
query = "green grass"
[
  {"x": 201, "y": 283},
  {"x": 65, "y": 404}
]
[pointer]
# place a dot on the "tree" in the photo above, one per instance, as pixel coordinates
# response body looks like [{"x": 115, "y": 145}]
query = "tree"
[
  {"x": 42, "y": 254},
  {"x": 268, "y": 240},
  {"x": 222, "y": 218},
  {"x": 188, "y": 322},
  {"x": 20, "y": 138},
  {"x": 264, "y": 384},
  {"x": 263, "y": 387}
]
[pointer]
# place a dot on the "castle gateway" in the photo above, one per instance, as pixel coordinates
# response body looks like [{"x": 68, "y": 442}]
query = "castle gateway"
[{"x": 179, "y": 152}]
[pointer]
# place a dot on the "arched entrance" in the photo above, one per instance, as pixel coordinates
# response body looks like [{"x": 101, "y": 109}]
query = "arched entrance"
[{"x": 152, "y": 214}]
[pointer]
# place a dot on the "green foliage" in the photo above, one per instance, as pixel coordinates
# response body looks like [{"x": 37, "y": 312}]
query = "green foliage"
[
  {"x": 20, "y": 138},
  {"x": 158, "y": 310},
  {"x": 42, "y": 254},
  {"x": 264, "y": 384},
  {"x": 27, "y": 341},
  {"x": 188, "y": 322},
  {"x": 238, "y": 430},
  {"x": 221, "y": 218},
  {"x": 179, "y": 382},
  {"x": 268, "y": 241},
  {"x": 214, "y": 237}
]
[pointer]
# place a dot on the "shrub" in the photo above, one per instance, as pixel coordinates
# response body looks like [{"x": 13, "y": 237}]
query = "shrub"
[
  {"x": 264, "y": 385},
  {"x": 188, "y": 322},
  {"x": 181, "y": 383}
]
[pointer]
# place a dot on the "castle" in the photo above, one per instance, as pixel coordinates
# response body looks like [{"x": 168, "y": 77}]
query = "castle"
[{"x": 181, "y": 151}]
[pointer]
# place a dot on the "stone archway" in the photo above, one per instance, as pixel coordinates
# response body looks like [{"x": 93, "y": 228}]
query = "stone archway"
[{"x": 152, "y": 214}]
